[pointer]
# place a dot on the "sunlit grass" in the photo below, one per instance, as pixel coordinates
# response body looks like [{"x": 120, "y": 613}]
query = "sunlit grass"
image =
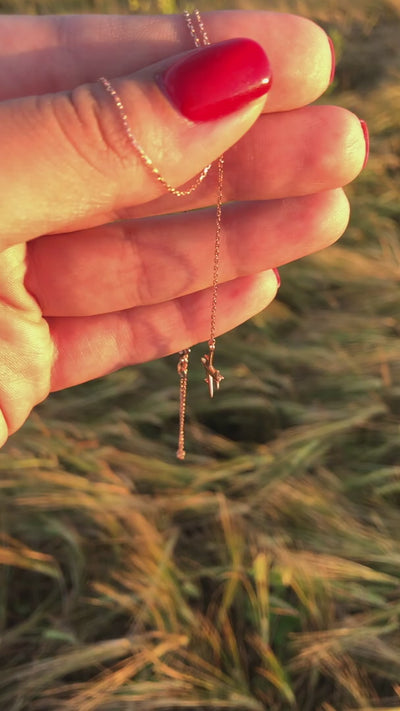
[{"x": 265, "y": 572}]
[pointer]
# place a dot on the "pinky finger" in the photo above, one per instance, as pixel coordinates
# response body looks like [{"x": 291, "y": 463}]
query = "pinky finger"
[{"x": 93, "y": 346}]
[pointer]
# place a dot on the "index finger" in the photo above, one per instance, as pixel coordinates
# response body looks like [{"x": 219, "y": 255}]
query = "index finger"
[{"x": 57, "y": 53}]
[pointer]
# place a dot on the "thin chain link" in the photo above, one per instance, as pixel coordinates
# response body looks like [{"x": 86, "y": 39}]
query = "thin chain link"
[
  {"x": 214, "y": 377},
  {"x": 217, "y": 251},
  {"x": 183, "y": 363},
  {"x": 203, "y": 39},
  {"x": 201, "y": 27},
  {"x": 217, "y": 245},
  {"x": 182, "y": 368},
  {"x": 145, "y": 158}
]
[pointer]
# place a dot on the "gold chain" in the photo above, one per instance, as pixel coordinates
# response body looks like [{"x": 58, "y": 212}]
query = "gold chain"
[
  {"x": 183, "y": 366},
  {"x": 220, "y": 166},
  {"x": 217, "y": 249},
  {"x": 190, "y": 23},
  {"x": 145, "y": 158},
  {"x": 213, "y": 376}
]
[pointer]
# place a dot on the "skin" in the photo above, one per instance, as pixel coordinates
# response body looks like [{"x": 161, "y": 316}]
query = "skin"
[{"x": 99, "y": 267}]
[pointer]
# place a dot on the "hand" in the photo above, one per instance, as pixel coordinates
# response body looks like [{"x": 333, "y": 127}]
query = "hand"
[{"x": 99, "y": 267}]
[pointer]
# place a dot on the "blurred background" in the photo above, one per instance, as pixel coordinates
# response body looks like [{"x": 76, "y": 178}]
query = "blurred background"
[{"x": 264, "y": 574}]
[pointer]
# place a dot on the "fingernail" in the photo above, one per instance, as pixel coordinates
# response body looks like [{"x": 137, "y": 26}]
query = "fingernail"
[
  {"x": 214, "y": 81},
  {"x": 278, "y": 276},
  {"x": 333, "y": 66},
  {"x": 366, "y": 136}
]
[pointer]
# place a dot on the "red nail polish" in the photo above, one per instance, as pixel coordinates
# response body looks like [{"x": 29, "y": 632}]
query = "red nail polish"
[
  {"x": 333, "y": 66},
  {"x": 216, "y": 80},
  {"x": 278, "y": 276},
  {"x": 366, "y": 136}
]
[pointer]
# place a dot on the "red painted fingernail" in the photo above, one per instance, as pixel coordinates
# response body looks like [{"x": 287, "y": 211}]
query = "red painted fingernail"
[
  {"x": 216, "y": 80},
  {"x": 332, "y": 76},
  {"x": 366, "y": 136},
  {"x": 278, "y": 276}
]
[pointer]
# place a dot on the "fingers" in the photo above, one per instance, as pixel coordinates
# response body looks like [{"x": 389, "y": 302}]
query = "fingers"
[
  {"x": 89, "y": 347},
  {"x": 127, "y": 264},
  {"x": 74, "y": 146},
  {"x": 283, "y": 155},
  {"x": 81, "y": 131},
  {"x": 48, "y": 54}
]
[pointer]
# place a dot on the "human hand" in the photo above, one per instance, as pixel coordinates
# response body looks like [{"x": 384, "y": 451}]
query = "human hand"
[{"x": 99, "y": 268}]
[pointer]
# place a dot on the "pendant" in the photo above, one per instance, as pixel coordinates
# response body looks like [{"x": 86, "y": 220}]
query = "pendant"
[{"x": 213, "y": 376}]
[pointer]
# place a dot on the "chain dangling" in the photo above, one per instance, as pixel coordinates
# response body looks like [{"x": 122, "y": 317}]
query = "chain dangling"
[
  {"x": 182, "y": 368},
  {"x": 213, "y": 376}
]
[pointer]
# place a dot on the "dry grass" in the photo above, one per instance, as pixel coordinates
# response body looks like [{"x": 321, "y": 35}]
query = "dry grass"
[{"x": 265, "y": 573}]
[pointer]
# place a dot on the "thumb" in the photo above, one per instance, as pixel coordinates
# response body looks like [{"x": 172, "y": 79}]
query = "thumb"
[{"x": 67, "y": 162}]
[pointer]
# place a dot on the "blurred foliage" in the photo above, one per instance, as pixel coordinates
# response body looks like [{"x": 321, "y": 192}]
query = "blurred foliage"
[{"x": 265, "y": 572}]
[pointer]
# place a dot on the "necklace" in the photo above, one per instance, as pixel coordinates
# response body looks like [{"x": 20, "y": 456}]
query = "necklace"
[{"x": 213, "y": 376}]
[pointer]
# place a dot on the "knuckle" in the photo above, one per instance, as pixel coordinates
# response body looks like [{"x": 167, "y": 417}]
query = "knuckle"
[
  {"x": 89, "y": 126},
  {"x": 141, "y": 283}
]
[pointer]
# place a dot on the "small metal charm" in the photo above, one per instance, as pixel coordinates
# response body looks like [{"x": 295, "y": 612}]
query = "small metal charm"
[
  {"x": 183, "y": 363},
  {"x": 213, "y": 375}
]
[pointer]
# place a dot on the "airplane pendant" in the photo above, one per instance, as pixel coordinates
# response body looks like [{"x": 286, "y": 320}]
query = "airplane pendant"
[{"x": 213, "y": 376}]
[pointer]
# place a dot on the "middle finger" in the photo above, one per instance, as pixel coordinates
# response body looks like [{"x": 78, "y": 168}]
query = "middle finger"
[
  {"x": 288, "y": 154},
  {"x": 139, "y": 263}
]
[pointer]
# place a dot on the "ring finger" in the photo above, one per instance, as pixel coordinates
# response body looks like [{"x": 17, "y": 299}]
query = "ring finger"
[{"x": 88, "y": 347}]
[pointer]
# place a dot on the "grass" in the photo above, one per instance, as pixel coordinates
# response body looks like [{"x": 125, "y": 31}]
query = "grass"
[{"x": 265, "y": 573}]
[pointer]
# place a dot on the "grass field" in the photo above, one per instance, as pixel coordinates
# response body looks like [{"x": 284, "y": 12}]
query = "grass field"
[{"x": 264, "y": 574}]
